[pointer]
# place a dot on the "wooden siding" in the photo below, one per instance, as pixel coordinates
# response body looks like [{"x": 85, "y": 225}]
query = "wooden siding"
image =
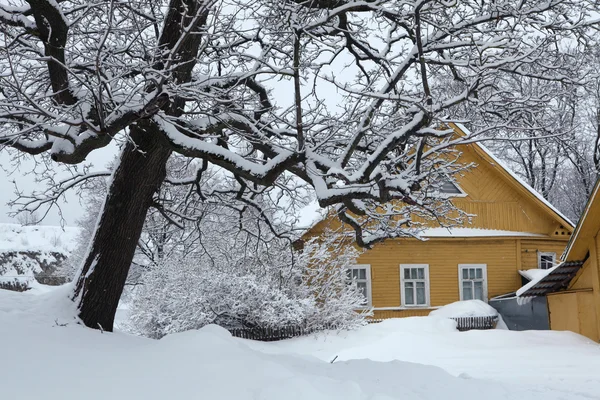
[
  {"x": 574, "y": 311},
  {"x": 583, "y": 279},
  {"x": 443, "y": 257}
]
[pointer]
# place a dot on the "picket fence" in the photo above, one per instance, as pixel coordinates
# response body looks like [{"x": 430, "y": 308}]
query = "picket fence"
[{"x": 291, "y": 331}]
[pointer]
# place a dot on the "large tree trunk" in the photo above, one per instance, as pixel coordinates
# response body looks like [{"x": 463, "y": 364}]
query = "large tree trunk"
[{"x": 141, "y": 170}]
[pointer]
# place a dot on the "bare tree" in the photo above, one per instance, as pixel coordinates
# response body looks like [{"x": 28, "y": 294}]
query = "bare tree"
[{"x": 243, "y": 85}]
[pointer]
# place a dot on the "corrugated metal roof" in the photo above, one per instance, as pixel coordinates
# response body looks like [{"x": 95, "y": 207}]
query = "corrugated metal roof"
[{"x": 556, "y": 280}]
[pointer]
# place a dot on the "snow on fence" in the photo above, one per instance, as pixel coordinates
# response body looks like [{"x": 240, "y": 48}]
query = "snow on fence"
[{"x": 288, "y": 332}]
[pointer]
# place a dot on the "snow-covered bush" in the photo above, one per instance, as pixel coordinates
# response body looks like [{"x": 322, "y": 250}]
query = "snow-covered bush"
[{"x": 272, "y": 286}]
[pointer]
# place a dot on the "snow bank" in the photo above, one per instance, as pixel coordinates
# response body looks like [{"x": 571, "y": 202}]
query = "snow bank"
[
  {"x": 49, "y": 357},
  {"x": 467, "y": 308},
  {"x": 545, "y": 364},
  {"x": 14, "y": 237}
]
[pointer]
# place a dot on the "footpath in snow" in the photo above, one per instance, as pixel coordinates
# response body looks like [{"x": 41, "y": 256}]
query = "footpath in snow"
[{"x": 47, "y": 356}]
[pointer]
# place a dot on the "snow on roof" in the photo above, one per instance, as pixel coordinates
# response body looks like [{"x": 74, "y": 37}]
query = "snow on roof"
[
  {"x": 515, "y": 176},
  {"x": 550, "y": 280},
  {"x": 473, "y": 232},
  {"x": 538, "y": 278},
  {"x": 14, "y": 237},
  {"x": 532, "y": 274}
]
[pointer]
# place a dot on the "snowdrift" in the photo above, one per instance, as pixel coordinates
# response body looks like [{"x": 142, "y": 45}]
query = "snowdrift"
[{"x": 48, "y": 356}]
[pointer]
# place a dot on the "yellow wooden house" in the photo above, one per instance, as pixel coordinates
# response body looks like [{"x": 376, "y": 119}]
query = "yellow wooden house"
[
  {"x": 513, "y": 229},
  {"x": 573, "y": 287}
]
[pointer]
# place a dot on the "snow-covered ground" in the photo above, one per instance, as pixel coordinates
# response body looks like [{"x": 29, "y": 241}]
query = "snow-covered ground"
[
  {"x": 47, "y": 356},
  {"x": 14, "y": 237}
]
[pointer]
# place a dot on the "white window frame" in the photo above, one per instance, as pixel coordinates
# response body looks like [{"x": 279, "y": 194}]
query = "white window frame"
[
  {"x": 402, "y": 290},
  {"x": 545, "y": 253},
  {"x": 367, "y": 267},
  {"x": 484, "y": 277}
]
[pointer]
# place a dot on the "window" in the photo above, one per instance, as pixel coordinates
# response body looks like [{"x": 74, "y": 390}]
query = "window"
[
  {"x": 546, "y": 260},
  {"x": 446, "y": 188},
  {"x": 414, "y": 285},
  {"x": 450, "y": 188},
  {"x": 361, "y": 276},
  {"x": 472, "y": 279}
]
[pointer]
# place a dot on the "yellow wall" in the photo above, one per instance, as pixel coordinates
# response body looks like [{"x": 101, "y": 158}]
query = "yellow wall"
[
  {"x": 574, "y": 311},
  {"x": 583, "y": 279},
  {"x": 443, "y": 257}
]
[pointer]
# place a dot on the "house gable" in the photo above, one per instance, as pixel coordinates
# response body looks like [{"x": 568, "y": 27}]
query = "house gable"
[{"x": 496, "y": 197}]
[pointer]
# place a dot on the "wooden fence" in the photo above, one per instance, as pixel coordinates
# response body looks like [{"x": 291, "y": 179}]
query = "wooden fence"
[
  {"x": 288, "y": 332},
  {"x": 481, "y": 323}
]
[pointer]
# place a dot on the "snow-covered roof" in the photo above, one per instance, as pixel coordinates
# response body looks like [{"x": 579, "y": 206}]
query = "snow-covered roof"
[
  {"x": 551, "y": 280},
  {"x": 515, "y": 176},
  {"x": 473, "y": 232},
  {"x": 15, "y": 237}
]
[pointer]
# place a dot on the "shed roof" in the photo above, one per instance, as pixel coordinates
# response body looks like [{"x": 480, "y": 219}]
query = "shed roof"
[{"x": 557, "y": 278}]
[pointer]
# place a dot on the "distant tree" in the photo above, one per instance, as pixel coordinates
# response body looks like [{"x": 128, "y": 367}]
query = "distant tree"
[
  {"x": 27, "y": 218},
  {"x": 243, "y": 85}
]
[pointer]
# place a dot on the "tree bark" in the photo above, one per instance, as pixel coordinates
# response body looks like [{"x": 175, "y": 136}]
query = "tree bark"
[{"x": 141, "y": 170}]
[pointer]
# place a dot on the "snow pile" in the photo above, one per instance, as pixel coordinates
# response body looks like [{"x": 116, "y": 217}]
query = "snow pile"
[
  {"x": 52, "y": 358},
  {"x": 466, "y": 308},
  {"x": 533, "y": 274}
]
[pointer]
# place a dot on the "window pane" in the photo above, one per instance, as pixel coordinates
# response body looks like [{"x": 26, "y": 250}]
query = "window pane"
[
  {"x": 409, "y": 297},
  {"x": 362, "y": 287},
  {"x": 467, "y": 290},
  {"x": 478, "y": 290},
  {"x": 465, "y": 273},
  {"x": 413, "y": 273},
  {"x": 362, "y": 274},
  {"x": 355, "y": 274},
  {"x": 349, "y": 274},
  {"x": 479, "y": 273},
  {"x": 421, "y": 273},
  {"x": 471, "y": 273},
  {"x": 407, "y": 273},
  {"x": 421, "y": 295}
]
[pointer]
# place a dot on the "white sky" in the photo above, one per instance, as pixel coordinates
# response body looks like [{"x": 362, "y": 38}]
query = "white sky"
[{"x": 70, "y": 206}]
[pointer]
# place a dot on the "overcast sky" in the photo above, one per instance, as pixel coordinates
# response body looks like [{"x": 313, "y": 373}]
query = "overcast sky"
[{"x": 25, "y": 180}]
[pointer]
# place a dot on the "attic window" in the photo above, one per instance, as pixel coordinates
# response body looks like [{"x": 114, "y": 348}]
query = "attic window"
[{"x": 448, "y": 187}]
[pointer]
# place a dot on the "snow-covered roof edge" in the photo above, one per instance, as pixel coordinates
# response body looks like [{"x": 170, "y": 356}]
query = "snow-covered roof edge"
[
  {"x": 501, "y": 163},
  {"x": 474, "y": 232}
]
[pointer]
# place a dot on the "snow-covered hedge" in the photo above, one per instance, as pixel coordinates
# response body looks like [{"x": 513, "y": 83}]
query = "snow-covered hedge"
[{"x": 238, "y": 289}]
